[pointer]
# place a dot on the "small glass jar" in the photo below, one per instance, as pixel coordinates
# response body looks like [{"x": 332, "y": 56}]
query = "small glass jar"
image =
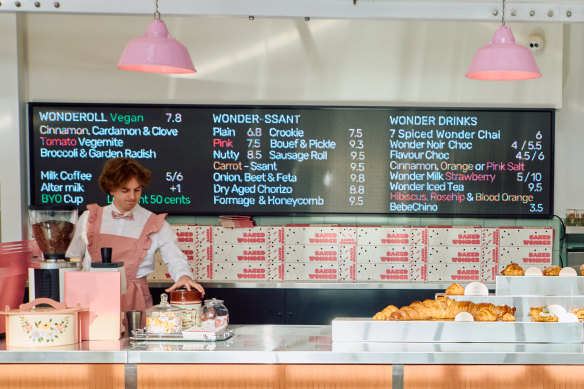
[
  {"x": 190, "y": 302},
  {"x": 572, "y": 217},
  {"x": 163, "y": 318},
  {"x": 215, "y": 316}
]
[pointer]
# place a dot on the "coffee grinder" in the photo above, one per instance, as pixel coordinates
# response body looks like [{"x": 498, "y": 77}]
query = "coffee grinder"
[{"x": 53, "y": 227}]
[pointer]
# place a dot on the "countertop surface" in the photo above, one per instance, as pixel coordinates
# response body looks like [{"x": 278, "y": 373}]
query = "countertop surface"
[{"x": 296, "y": 344}]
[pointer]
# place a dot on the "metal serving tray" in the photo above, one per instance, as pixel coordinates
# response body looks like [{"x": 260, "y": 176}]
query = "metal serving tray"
[
  {"x": 369, "y": 330},
  {"x": 539, "y": 285},
  {"x": 204, "y": 337},
  {"x": 524, "y": 303}
]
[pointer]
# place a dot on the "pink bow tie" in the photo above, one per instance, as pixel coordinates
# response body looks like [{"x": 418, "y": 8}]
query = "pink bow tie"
[{"x": 117, "y": 215}]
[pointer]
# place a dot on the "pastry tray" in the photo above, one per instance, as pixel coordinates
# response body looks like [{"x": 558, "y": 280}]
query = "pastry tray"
[
  {"x": 194, "y": 337},
  {"x": 539, "y": 286},
  {"x": 369, "y": 330}
]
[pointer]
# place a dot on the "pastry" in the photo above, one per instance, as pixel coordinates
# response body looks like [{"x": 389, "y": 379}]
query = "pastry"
[
  {"x": 582, "y": 270},
  {"x": 513, "y": 269},
  {"x": 542, "y": 314},
  {"x": 445, "y": 308},
  {"x": 552, "y": 271},
  {"x": 384, "y": 314},
  {"x": 455, "y": 290},
  {"x": 579, "y": 313}
]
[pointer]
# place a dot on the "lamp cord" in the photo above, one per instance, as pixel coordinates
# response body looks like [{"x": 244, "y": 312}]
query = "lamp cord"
[
  {"x": 157, "y": 14},
  {"x": 502, "y": 15}
]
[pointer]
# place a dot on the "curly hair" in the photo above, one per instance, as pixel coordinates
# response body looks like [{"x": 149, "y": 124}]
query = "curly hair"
[{"x": 117, "y": 171}]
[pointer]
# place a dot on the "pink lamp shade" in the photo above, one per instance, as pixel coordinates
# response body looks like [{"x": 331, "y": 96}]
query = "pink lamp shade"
[
  {"x": 156, "y": 52},
  {"x": 503, "y": 60}
]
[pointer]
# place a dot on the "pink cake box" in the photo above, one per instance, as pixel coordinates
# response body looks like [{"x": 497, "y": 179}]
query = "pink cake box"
[
  {"x": 526, "y": 256},
  {"x": 252, "y": 235},
  {"x": 489, "y": 271},
  {"x": 390, "y": 272},
  {"x": 454, "y": 236},
  {"x": 383, "y": 235},
  {"x": 527, "y": 236},
  {"x": 326, "y": 235},
  {"x": 193, "y": 234},
  {"x": 491, "y": 236},
  {"x": 347, "y": 262},
  {"x": 311, "y": 271},
  {"x": 248, "y": 253},
  {"x": 453, "y": 272},
  {"x": 197, "y": 251},
  {"x": 454, "y": 254},
  {"x": 419, "y": 254},
  {"x": 489, "y": 255},
  {"x": 312, "y": 253},
  {"x": 240, "y": 271},
  {"x": 384, "y": 254},
  {"x": 348, "y": 235}
]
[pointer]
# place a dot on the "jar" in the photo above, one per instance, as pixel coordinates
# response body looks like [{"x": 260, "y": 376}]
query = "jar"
[
  {"x": 572, "y": 217},
  {"x": 215, "y": 316},
  {"x": 163, "y": 318},
  {"x": 190, "y": 302}
]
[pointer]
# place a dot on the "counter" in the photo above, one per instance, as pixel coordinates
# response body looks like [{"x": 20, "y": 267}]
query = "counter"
[{"x": 282, "y": 352}]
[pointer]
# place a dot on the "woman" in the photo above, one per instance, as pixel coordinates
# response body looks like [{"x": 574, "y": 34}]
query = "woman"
[{"x": 134, "y": 234}]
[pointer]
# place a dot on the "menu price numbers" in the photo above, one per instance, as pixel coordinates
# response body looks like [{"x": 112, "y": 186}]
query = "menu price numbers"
[
  {"x": 254, "y": 143},
  {"x": 174, "y": 176},
  {"x": 175, "y": 117},
  {"x": 536, "y": 207},
  {"x": 530, "y": 156},
  {"x": 358, "y": 174},
  {"x": 533, "y": 180}
]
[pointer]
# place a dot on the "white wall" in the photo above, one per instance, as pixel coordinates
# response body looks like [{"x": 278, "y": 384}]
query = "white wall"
[{"x": 291, "y": 61}]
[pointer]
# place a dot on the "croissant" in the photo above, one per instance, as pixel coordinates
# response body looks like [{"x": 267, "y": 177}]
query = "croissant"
[
  {"x": 445, "y": 308},
  {"x": 542, "y": 314},
  {"x": 552, "y": 271},
  {"x": 580, "y": 313},
  {"x": 513, "y": 269},
  {"x": 384, "y": 314},
  {"x": 455, "y": 290}
]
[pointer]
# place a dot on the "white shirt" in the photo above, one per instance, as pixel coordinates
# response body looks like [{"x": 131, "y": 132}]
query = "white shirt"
[{"x": 164, "y": 240}]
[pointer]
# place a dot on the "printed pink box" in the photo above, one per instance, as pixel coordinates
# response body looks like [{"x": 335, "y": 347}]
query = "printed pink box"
[
  {"x": 384, "y": 254},
  {"x": 252, "y": 235},
  {"x": 489, "y": 271},
  {"x": 310, "y": 271},
  {"x": 453, "y": 272},
  {"x": 295, "y": 235},
  {"x": 454, "y": 254},
  {"x": 311, "y": 253},
  {"x": 526, "y": 256},
  {"x": 193, "y": 234},
  {"x": 419, "y": 236},
  {"x": 490, "y": 236},
  {"x": 347, "y": 262},
  {"x": 240, "y": 271},
  {"x": 419, "y": 254},
  {"x": 527, "y": 236},
  {"x": 454, "y": 236},
  {"x": 248, "y": 253},
  {"x": 378, "y": 236},
  {"x": 390, "y": 272},
  {"x": 489, "y": 254},
  {"x": 202, "y": 269},
  {"x": 348, "y": 235}
]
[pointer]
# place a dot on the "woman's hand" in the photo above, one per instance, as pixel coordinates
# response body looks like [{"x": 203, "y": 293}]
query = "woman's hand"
[{"x": 188, "y": 283}]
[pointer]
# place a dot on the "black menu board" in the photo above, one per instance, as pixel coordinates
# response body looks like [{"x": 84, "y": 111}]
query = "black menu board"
[{"x": 278, "y": 160}]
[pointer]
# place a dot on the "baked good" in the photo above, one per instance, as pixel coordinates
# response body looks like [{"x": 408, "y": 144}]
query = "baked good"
[
  {"x": 582, "y": 270},
  {"x": 445, "y": 308},
  {"x": 455, "y": 290},
  {"x": 513, "y": 269},
  {"x": 579, "y": 313},
  {"x": 384, "y": 314},
  {"x": 552, "y": 271},
  {"x": 542, "y": 314}
]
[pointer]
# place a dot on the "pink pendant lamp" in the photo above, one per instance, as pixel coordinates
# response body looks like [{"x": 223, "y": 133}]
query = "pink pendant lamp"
[
  {"x": 502, "y": 59},
  {"x": 156, "y": 51}
]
